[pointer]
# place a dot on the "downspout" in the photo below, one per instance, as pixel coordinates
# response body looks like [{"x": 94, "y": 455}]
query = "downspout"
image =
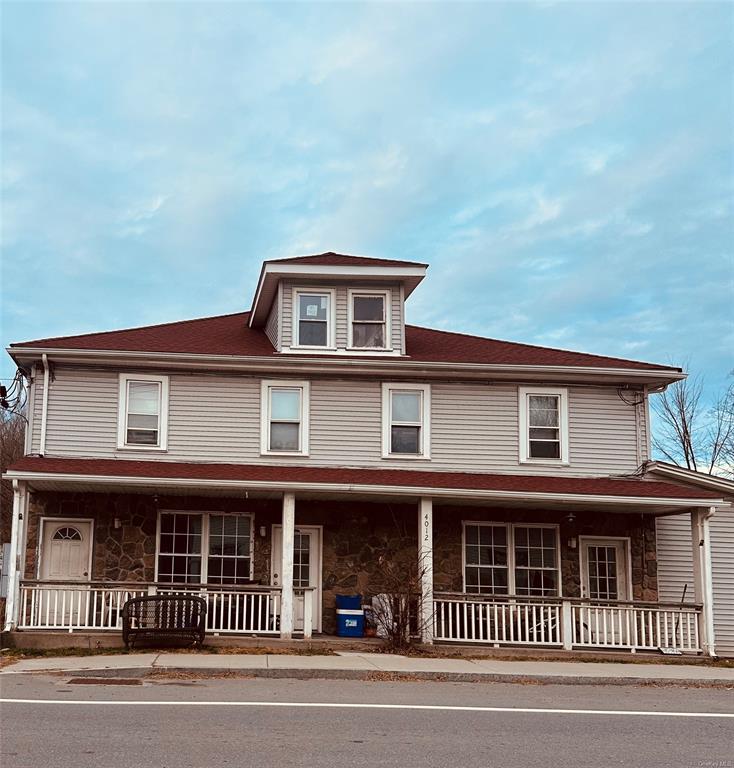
[
  {"x": 44, "y": 410},
  {"x": 28, "y": 444},
  {"x": 638, "y": 435},
  {"x": 648, "y": 425}
]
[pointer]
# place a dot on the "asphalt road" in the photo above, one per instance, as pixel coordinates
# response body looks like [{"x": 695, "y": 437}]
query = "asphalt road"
[{"x": 172, "y": 723}]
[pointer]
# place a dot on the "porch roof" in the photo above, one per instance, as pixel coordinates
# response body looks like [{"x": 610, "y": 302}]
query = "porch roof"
[{"x": 45, "y": 473}]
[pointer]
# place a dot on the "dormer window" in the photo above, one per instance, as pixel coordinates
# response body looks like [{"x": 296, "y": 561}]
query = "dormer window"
[
  {"x": 314, "y": 324},
  {"x": 368, "y": 320}
]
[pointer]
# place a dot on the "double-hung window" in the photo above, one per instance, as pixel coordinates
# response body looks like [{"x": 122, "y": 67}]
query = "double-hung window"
[
  {"x": 201, "y": 548},
  {"x": 543, "y": 425},
  {"x": 501, "y": 559},
  {"x": 369, "y": 315},
  {"x": 314, "y": 321},
  {"x": 143, "y": 411},
  {"x": 406, "y": 410},
  {"x": 284, "y": 427}
]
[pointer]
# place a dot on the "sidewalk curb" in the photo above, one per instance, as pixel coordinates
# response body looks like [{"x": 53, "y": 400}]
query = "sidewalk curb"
[{"x": 383, "y": 676}]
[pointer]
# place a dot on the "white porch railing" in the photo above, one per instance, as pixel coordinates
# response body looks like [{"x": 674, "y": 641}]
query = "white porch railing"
[
  {"x": 564, "y": 622},
  {"x": 639, "y": 626},
  {"x": 59, "y": 605},
  {"x": 98, "y": 606},
  {"x": 246, "y": 610},
  {"x": 511, "y": 621}
]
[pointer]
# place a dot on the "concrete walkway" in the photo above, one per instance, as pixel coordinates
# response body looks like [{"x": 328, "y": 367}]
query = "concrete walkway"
[{"x": 375, "y": 666}]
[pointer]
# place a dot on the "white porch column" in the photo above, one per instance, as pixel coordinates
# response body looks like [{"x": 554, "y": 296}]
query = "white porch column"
[
  {"x": 425, "y": 568},
  {"x": 16, "y": 534},
  {"x": 702, "y": 576},
  {"x": 286, "y": 567}
]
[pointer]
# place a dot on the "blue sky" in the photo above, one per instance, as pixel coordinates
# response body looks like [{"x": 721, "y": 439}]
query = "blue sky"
[{"x": 566, "y": 169}]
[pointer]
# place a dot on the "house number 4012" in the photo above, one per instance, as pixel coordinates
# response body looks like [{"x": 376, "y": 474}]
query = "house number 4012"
[{"x": 426, "y": 528}]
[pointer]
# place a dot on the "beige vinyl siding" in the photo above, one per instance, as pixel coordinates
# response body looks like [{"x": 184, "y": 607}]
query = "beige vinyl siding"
[
  {"x": 675, "y": 569},
  {"x": 602, "y": 431},
  {"x": 396, "y": 319},
  {"x": 82, "y": 413},
  {"x": 36, "y": 416},
  {"x": 675, "y": 558},
  {"x": 271, "y": 326},
  {"x": 474, "y": 427},
  {"x": 342, "y": 309}
]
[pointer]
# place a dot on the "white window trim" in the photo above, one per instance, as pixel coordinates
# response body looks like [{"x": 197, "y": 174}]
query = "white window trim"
[
  {"x": 387, "y": 296},
  {"x": 122, "y": 443},
  {"x": 265, "y": 386},
  {"x": 204, "y": 538},
  {"x": 425, "y": 445},
  {"x": 330, "y": 318},
  {"x": 510, "y": 537},
  {"x": 524, "y": 418}
]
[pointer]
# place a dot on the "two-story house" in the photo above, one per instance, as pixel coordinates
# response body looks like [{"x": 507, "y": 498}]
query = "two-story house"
[{"x": 274, "y": 458}]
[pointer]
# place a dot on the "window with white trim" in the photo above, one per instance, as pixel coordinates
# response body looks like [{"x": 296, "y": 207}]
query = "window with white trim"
[
  {"x": 369, "y": 315},
  {"x": 502, "y": 558},
  {"x": 543, "y": 425},
  {"x": 284, "y": 428},
  {"x": 314, "y": 322},
  {"x": 204, "y": 548},
  {"x": 143, "y": 411},
  {"x": 406, "y": 410}
]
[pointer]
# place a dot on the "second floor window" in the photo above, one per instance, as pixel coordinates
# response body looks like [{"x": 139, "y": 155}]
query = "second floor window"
[
  {"x": 314, "y": 325},
  {"x": 368, "y": 328},
  {"x": 406, "y": 420},
  {"x": 143, "y": 411},
  {"x": 543, "y": 425},
  {"x": 285, "y": 417}
]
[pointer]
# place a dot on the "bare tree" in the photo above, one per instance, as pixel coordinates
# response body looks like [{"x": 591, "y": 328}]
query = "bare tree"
[
  {"x": 12, "y": 438},
  {"x": 692, "y": 435},
  {"x": 396, "y": 610}
]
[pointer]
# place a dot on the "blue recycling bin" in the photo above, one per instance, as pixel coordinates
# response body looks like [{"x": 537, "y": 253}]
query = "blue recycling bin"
[{"x": 349, "y": 616}]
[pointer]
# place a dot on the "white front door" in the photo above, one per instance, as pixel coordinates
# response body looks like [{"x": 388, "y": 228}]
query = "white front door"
[
  {"x": 605, "y": 569},
  {"x": 306, "y": 569},
  {"x": 66, "y": 550}
]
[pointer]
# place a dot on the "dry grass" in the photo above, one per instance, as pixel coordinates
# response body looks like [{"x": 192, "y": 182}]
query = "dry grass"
[{"x": 11, "y": 655}]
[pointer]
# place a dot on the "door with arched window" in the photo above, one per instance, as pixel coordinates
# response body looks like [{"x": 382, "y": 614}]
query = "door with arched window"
[{"x": 66, "y": 549}]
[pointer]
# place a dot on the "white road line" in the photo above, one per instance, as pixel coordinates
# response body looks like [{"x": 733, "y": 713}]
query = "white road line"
[{"x": 336, "y": 705}]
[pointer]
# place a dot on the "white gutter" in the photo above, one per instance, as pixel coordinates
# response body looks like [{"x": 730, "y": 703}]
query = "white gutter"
[
  {"x": 377, "y": 490},
  {"x": 44, "y": 410},
  {"x": 352, "y": 365},
  {"x": 691, "y": 476}
]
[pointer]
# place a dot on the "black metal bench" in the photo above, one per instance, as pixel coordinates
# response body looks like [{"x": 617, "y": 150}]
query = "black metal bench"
[{"x": 164, "y": 617}]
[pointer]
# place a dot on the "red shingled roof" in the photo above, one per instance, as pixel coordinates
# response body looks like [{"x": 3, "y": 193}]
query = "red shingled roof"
[
  {"x": 331, "y": 259},
  {"x": 231, "y": 335},
  {"x": 460, "y": 481}
]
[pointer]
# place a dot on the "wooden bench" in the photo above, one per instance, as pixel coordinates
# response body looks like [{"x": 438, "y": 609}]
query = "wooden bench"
[{"x": 164, "y": 617}]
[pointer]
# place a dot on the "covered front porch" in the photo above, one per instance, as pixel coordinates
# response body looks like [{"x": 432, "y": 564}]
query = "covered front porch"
[{"x": 556, "y": 568}]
